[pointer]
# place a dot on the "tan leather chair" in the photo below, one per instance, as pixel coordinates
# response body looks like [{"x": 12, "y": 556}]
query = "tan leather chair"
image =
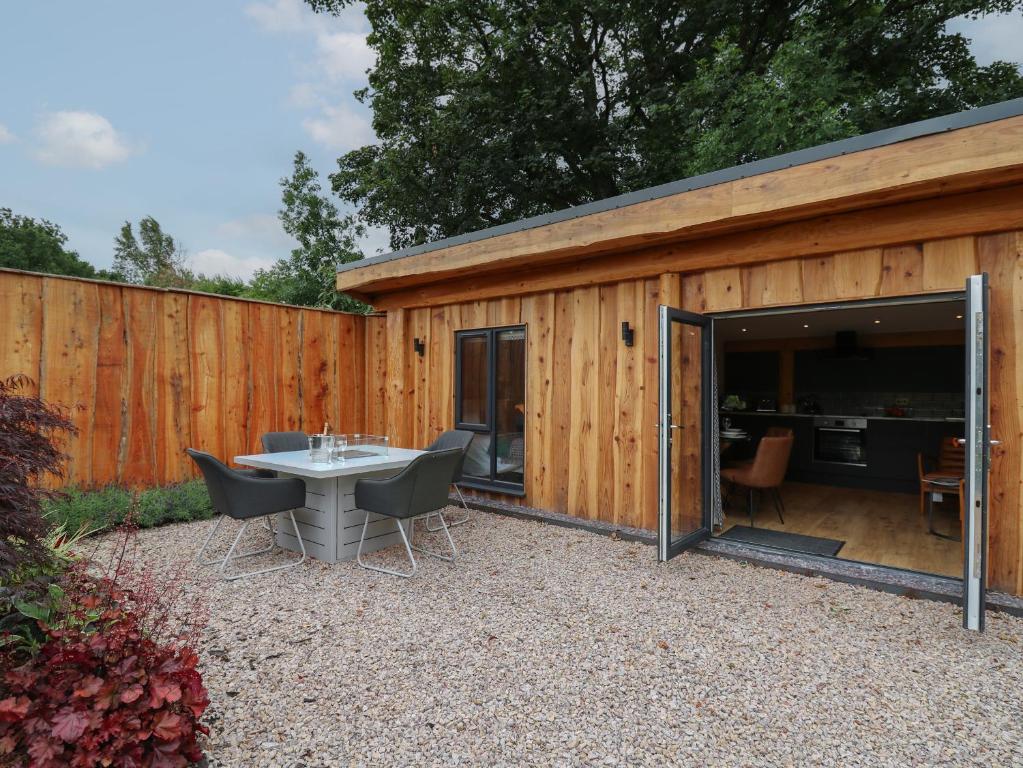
[
  {"x": 765, "y": 473},
  {"x": 779, "y": 432}
]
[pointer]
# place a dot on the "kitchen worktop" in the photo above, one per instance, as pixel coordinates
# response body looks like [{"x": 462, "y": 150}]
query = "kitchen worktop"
[{"x": 842, "y": 416}]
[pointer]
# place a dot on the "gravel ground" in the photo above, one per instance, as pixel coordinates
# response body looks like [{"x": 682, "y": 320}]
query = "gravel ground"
[{"x": 547, "y": 646}]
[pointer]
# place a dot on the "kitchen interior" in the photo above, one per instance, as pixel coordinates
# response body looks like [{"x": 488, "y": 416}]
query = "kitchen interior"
[{"x": 839, "y": 431}]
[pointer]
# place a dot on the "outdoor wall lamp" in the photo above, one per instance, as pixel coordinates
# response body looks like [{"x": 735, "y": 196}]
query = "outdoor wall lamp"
[
  {"x": 419, "y": 345},
  {"x": 628, "y": 334}
]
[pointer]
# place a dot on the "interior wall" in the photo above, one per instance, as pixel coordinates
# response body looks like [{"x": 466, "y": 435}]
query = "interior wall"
[{"x": 591, "y": 442}]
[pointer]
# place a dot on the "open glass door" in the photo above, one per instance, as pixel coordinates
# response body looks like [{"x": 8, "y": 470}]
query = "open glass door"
[
  {"x": 684, "y": 430},
  {"x": 978, "y": 453}
]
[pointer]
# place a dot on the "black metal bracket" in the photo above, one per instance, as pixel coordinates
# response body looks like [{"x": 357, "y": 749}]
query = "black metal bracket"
[
  {"x": 628, "y": 334},
  {"x": 419, "y": 345}
]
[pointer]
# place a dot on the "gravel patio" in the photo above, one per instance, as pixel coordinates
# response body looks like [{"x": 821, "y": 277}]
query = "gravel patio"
[{"x": 548, "y": 646}]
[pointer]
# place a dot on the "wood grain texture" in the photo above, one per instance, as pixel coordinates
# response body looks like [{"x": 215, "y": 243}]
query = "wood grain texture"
[
  {"x": 947, "y": 263},
  {"x": 68, "y": 375},
  {"x": 141, "y": 313},
  {"x": 111, "y": 404},
  {"x": 174, "y": 388},
  {"x": 156, "y": 371},
  {"x": 969, "y": 158},
  {"x": 21, "y": 327},
  {"x": 886, "y": 226},
  {"x": 1001, "y": 256}
]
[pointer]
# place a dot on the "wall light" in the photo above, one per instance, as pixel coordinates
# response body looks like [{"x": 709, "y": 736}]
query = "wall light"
[
  {"x": 628, "y": 334},
  {"x": 419, "y": 346}
]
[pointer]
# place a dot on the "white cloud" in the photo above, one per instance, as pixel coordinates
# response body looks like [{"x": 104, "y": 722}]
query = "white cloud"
[
  {"x": 213, "y": 261},
  {"x": 994, "y": 37},
  {"x": 80, "y": 140},
  {"x": 281, "y": 15},
  {"x": 261, "y": 227},
  {"x": 345, "y": 55},
  {"x": 340, "y": 128},
  {"x": 338, "y": 57},
  {"x": 5, "y": 135}
]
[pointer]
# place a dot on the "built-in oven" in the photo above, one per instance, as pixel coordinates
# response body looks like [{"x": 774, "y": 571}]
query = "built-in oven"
[{"x": 840, "y": 441}]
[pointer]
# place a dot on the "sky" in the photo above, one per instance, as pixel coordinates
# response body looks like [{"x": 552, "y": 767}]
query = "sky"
[{"x": 191, "y": 111}]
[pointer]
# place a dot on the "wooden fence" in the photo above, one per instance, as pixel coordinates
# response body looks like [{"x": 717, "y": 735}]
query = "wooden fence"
[{"x": 149, "y": 372}]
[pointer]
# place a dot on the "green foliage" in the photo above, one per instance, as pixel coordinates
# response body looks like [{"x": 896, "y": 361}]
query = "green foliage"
[
  {"x": 490, "y": 111},
  {"x": 106, "y": 508},
  {"x": 326, "y": 239},
  {"x": 38, "y": 246},
  {"x": 173, "y": 504},
  {"x": 221, "y": 285},
  {"x": 153, "y": 258}
]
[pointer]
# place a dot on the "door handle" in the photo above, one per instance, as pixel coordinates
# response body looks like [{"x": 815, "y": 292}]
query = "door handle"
[
  {"x": 962, "y": 441},
  {"x": 675, "y": 426}
]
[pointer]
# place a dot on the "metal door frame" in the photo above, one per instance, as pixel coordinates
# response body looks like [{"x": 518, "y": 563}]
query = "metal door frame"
[
  {"x": 978, "y": 453},
  {"x": 666, "y": 548}
]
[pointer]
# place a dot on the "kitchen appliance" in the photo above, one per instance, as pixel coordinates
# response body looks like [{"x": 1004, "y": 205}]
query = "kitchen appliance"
[
  {"x": 767, "y": 405},
  {"x": 840, "y": 441}
]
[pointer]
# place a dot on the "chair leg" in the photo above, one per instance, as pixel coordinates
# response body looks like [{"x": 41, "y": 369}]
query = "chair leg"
[
  {"x": 779, "y": 505},
  {"x": 750, "y": 507},
  {"x": 380, "y": 569},
  {"x": 463, "y": 519},
  {"x": 228, "y": 558},
  {"x": 444, "y": 527},
  {"x": 216, "y": 527}
]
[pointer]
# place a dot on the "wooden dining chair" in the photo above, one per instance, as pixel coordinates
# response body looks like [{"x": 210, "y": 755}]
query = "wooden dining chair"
[{"x": 945, "y": 476}]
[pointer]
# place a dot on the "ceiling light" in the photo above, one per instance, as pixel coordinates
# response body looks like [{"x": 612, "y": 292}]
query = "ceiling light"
[
  {"x": 744, "y": 330},
  {"x": 877, "y": 322},
  {"x": 805, "y": 325},
  {"x": 959, "y": 317}
]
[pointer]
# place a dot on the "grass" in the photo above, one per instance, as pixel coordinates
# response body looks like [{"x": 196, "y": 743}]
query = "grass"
[{"x": 104, "y": 508}]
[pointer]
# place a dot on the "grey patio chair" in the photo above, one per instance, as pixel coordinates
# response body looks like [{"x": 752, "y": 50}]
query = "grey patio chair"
[
  {"x": 419, "y": 490},
  {"x": 453, "y": 438},
  {"x": 281, "y": 442},
  {"x": 243, "y": 497}
]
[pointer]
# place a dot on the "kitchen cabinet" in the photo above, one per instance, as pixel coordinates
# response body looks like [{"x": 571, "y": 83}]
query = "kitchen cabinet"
[{"x": 892, "y": 448}]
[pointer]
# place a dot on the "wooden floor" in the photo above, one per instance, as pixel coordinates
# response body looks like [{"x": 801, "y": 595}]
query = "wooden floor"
[{"x": 877, "y": 526}]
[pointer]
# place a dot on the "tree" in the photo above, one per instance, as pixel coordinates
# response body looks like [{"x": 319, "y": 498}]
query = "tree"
[
  {"x": 489, "y": 111},
  {"x": 38, "y": 246},
  {"x": 326, "y": 240},
  {"x": 30, "y": 430},
  {"x": 157, "y": 260}
]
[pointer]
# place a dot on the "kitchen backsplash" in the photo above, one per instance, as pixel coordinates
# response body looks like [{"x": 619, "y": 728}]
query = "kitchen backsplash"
[{"x": 875, "y": 403}]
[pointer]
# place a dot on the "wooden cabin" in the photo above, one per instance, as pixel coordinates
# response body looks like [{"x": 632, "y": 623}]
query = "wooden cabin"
[{"x": 602, "y": 353}]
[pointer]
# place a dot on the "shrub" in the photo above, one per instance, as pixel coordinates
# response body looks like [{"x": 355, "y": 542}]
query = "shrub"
[
  {"x": 95, "y": 509},
  {"x": 109, "y": 507},
  {"x": 111, "y": 683},
  {"x": 28, "y": 452},
  {"x": 174, "y": 503}
]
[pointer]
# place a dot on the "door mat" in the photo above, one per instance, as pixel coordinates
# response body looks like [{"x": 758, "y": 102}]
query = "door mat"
[{"x": 795, "y": 542}]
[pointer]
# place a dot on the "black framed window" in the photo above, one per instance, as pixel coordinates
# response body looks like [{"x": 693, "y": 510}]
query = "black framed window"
[{"x": 490, "y": 400}]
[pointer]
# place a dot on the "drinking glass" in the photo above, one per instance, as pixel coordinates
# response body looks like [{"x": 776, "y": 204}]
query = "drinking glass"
[{"x": 340, "y": 446}]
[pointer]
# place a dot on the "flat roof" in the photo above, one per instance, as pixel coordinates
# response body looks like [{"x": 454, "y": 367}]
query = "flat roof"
[{"x": 888, "y": 136}]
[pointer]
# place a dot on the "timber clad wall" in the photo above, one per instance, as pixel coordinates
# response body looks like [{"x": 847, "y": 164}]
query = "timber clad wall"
[
  {"x": 591, "y": 442},
  {"x": 157, "y": 371}
]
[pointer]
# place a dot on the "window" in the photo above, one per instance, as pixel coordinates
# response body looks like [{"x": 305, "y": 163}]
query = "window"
[{"x": 490, "y": 400}]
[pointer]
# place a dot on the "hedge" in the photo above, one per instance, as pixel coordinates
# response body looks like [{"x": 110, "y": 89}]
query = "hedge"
[{"x": 104, "y": 508}]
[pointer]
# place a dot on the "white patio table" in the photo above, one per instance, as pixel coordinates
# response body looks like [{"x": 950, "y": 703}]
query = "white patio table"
[{"x": 330, "y": 523}]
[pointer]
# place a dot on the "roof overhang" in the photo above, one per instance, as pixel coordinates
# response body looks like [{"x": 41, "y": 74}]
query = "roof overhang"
[{"x": 969, "y": 151}]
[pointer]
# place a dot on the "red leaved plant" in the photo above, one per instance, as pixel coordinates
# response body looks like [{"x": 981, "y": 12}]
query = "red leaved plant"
[{"x": 110, "y": 685}]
